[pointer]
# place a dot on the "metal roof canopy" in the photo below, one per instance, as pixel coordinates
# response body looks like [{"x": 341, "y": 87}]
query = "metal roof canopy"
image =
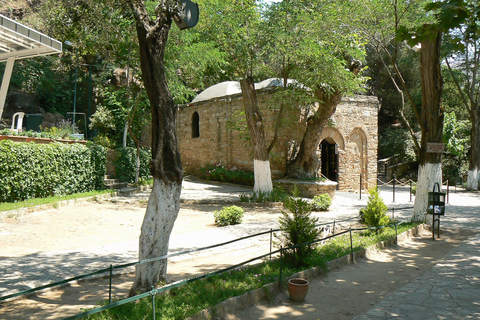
[{"x": 19, "y": 42}]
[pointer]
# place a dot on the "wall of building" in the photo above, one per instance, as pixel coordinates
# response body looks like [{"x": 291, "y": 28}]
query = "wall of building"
[{"x": 210, "y": 132}]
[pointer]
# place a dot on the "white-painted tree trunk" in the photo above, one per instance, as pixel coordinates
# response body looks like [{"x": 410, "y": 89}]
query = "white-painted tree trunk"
[
  {"x": 263, "y": 176},
  {"x": 428, "y": 174},
  {"x": 472, "y": 180},
  {"x": 162, "y": 211}
]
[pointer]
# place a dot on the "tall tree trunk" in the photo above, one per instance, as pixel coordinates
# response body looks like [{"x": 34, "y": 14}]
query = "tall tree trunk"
[
  {"x": 305, "y": 164},
  {"x": 166, "y": 167},
  {"x": 261, "y": 162},
  {"x": 473, "y": 169},
  {"x": 430, "y": 165}
]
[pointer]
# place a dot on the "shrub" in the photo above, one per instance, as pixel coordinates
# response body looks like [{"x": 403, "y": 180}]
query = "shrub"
[
  {"x": 321, "y": 202},
  {"x": 297, "y": 226},
  {"x": 375, "y": 214},
  {"x": 218, "y": 172},
  {"x": 99, "y": 163},
  {"x": 30, "y": 170},
  {"x": 126, "y": 164},
  {"x": 228, "y": 216}
]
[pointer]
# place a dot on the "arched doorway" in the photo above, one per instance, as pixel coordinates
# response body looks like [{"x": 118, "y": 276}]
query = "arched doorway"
[{"x": 329, "y": 159}]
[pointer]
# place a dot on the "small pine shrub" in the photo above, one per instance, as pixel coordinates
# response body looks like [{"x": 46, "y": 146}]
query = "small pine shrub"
[
  {"x": 297, "y": 227},
  {"x": 228, "y": 216},
  {"x": 375, "y": 214},
  {"x": 321, "y": 202}
]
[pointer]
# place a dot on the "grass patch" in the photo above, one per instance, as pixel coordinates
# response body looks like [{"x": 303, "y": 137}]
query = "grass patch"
[
  {"x": 191, "y": 298},
  {"x": 33, "y": 202}
]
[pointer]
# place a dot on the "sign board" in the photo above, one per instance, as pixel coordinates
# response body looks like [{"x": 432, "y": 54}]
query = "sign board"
[{"x": 435, "y": 147}]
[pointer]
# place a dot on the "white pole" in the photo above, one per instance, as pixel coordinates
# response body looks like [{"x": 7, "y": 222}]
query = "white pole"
[{"x": 5, "y": 83}]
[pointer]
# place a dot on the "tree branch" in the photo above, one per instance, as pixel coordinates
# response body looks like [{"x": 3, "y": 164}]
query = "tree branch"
[
  {"x": 401, "y": 112},
  {"x": 460, "y": 91}
]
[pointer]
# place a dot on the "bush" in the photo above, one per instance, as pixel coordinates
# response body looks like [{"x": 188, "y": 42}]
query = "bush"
[
  {"x": 375, "y": 214},
  {"x": 321, "y": 202},
  {"x": 30, "y": 170},
  {"x": 297, "y": 227},
  {"x": 99, "y": 163},
  {"x": 228, "y": 216},
  {"x": 126, "y": 164},
  {"x": 218, "y": 172}
]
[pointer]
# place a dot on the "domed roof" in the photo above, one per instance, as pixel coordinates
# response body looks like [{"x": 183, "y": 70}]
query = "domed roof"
[
  {"x": 222, "y": 89},
  {"x": 228, "y": 88}
]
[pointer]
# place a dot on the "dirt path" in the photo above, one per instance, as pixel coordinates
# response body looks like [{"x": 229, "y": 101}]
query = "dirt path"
[
  {"x": 345, "y": 293},
  {"x": 92, "y": 223}
]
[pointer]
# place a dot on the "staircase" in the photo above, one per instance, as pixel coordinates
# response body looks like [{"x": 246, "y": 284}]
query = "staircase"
[{"x": 111, "y": 182}]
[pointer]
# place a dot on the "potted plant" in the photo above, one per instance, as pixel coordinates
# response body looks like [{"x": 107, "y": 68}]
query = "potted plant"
[{"x": 298, "y": 289}]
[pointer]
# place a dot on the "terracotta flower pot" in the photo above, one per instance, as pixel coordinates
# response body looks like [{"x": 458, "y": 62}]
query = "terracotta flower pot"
[{"x": 298, "y": 289}]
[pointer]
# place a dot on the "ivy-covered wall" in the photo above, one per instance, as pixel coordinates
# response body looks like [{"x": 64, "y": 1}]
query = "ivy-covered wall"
[{"x": 30, "y": 170}]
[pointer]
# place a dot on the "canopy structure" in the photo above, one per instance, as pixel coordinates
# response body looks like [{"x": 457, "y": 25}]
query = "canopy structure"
[{"x": 19, "y": 42}]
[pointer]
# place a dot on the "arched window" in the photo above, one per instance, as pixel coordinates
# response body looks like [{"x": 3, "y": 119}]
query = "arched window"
[{"x": 195, "y": 125}]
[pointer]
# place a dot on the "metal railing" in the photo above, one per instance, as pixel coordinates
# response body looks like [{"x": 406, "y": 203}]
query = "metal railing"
[
  {"x": 111, "y": 268},
  {"x": 280, "y": 251}
]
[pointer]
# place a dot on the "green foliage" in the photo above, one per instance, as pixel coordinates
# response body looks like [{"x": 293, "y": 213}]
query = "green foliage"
[
  {"x": 61, "y": 130},
  {"x": 126, "y": 164},
  {"x": 98, "y": 156},
  {"x": 105, "y": 141},
  {"x": 297, "y": 227},
  {"x": 394, "y": 141},
  {"x": 228, "y": 216},
  {"x": 375, "y": 214},
  {"x": 102, "y": 120},
  {"x": 218, "y": 172},
  {"x": 30, "y": 170},
  {"x": 456, "y": 136},
  {"x": 321, "y": 202}
]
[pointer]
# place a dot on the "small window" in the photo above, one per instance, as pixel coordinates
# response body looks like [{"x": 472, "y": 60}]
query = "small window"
[{"x": 195, "y": 125}]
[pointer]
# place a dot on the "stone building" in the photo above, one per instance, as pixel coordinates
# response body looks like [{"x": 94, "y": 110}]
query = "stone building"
[{"x": 210, "y": 132}]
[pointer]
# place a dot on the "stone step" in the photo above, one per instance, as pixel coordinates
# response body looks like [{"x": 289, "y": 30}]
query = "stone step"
[
  {"x": 128, "y": 191},
  {"x": 117, "y": 185},
  {"x": 111, "y": 181},
  {"x": 114, "y": 184},
  {"x": 109, "y": 176}
]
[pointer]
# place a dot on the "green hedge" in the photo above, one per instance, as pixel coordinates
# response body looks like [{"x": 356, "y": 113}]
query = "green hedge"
[
  {"x": 30, "y": 170},
  {"x": 126, "y": 164}
]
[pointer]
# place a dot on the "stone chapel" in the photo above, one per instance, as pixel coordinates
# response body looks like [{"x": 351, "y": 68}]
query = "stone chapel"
[{"x": 207, "y": 134}]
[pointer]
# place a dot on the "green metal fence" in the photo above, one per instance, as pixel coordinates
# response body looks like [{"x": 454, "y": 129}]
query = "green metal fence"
[{"x": 154, "y": 292}]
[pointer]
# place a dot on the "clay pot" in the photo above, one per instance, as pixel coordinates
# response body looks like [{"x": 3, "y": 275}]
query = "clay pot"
[{"x": 298, "y": 289}]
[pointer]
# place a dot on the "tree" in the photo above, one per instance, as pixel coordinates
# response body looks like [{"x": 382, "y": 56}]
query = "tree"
[
  {"x": 324, "y": 58},
  {"x": 430, "y": 164},
  {"x": 430, "y": 117},
  {"x": 463, "y": 46},
  {"x": 164, "y": 202},
  {"x": 235, "y": 26}
]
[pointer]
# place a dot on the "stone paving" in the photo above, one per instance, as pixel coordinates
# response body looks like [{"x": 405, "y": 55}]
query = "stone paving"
[{"x": 451, "y": 289}]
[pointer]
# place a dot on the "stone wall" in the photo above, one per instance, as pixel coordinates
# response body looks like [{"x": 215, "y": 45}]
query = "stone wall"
[{"x": 208, "y": 133}]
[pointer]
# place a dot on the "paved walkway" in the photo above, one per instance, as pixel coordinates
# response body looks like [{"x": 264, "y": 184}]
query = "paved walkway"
[
  {"x": 451, "y": 289},
  {"x": 452, "y": 284}
]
